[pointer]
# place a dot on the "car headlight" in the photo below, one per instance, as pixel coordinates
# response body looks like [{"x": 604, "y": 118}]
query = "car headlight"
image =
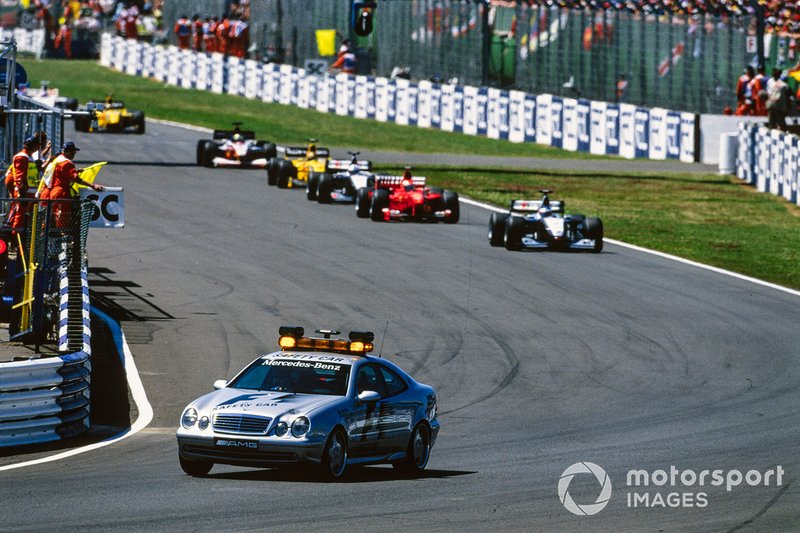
[
  {"x": 189, "y": 418},
  {"x": 281, "y": 429},
  {"x": 300, "y": 426},
  {"x": 203, "y": 424}
]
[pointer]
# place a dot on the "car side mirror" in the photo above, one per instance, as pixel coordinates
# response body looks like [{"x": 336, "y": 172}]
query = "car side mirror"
[
  {"x": 220, "y": 384},
  {"x": 368, "y": 396}
]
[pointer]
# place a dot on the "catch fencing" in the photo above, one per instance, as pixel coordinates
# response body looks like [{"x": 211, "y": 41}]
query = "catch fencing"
[
  {"x": 685, "y": 62},
  {"x": 568, "y": 123},
  {"x": 768, "y": 159}
]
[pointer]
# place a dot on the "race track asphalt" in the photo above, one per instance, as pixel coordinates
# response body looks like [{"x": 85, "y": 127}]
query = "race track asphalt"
[{"x": 541, "y": 360}]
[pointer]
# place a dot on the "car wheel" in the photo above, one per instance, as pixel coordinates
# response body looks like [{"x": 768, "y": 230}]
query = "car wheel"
[
  {"x": 418, "y": 451},
  {"x": 497, "y": 228},
  {"x": 138, "y": 122},
  {"x": 593, "y": 229},
  {"x": 450, "y": 200},
  {"x": 311, "y": 186},
  {"x": 334, "y": 457},
  {"x": 82, "y": 123},
  {"x": 195, "y": 468},
  {"x": 513, "y": 234},
  {"x": 209, "y": 153},
  {"x": 201, "y": 152},
  {"x": 270, "y": 150},
  {"x": 284, "y": 174},
  {"x": 71, "y": 104},
  {"x": 325, "y": 188},
  {"x": 380, "y": 201},
  {"x": 362, "y": 202},
  {"x": 272, "y": 171}
]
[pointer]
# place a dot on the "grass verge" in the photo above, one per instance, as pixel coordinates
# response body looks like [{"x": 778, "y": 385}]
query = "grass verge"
[{"x": 711, "y": 219}]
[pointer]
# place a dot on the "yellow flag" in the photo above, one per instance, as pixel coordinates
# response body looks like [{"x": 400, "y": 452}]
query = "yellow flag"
[
  {"x": 88, "y": 175},
  {"x": 326, "y": 42}
]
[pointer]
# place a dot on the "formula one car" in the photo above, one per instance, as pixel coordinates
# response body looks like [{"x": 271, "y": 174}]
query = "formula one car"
[
  {"x": 292, "y": 164},
  {"x": 406, "y": 197},
  {"x": 51, "y": 97},
  {"x": 319, "y": 400},
  {"x": 110, "y": 116},
  {"x": 235, "y": 148},
  {"x": 341, "y": 180},
  {"x": 542, "y": 224}
]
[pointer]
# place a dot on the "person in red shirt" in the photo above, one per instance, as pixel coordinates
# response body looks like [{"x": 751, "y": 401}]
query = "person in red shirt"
[
  {"x": 197, "y": 34},
  {"x": 58, "y": 184},
  {"x": 744, "y": 97},
  {"x": 758, "y": 91},
  {"x": 239, "y": 37},
  {"x": 346, "y": 62},
  {"x": 223, "y": 31},
  {"x": 183, "y": 32},
  {"x": 210, "y": 34},
  {"x": 16, "y": 181}
]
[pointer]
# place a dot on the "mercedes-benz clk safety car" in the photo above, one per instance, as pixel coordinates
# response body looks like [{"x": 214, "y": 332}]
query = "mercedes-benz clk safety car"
[
  {"x": 341, "y": 181},
  {"x": 319, "y": 400},
  {"x": 407, "y": 198},
  {"x": 109, "y": 116},
  {"x": 235, "y": 148},
  {"x": 292, "y": 164},
  {"x": 542, "y": 224}
]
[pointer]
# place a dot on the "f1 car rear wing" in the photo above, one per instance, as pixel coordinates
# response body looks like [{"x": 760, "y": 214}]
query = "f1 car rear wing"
[
  {"x": 227, "y": 134},
  {"x": 300, "y": 151},
  {"x": 344, "y": 164},
  {"x": 390, "y": 182},
  {"x": 531, "y": 206}
]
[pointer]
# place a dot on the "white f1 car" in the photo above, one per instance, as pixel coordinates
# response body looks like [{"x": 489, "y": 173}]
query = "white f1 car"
[
  {"x": 235, "y": 148},
  {"x": 341, "y": 180}
]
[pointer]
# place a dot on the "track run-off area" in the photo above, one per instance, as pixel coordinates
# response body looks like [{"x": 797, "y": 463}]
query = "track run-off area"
[{"x": 629, "y": 360}]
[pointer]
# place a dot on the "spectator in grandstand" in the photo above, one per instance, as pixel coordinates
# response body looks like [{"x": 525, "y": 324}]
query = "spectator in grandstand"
[{"x": 778, "y": 100}]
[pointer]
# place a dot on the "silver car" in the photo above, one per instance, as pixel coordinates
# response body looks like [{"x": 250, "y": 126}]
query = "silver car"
[{"x": 320, "y": 400}]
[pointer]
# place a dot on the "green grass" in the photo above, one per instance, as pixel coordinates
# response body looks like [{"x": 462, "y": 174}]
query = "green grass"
[{"x": 711, "y": 219}]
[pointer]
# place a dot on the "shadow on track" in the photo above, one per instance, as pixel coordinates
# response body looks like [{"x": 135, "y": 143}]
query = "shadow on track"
[{"x": 364, "y": 474}]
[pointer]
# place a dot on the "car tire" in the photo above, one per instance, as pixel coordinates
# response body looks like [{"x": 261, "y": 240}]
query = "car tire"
[
  {"x": 284, "y": 174},
  {"x": 418, "y": 452},
  {"x": 450, "y": 200},
  {"x": 201, "y": 145},
  {"x": 593, "y": 229},
  {"x": 334, "y": 456},
  {"x": 272, "y": 171},
  {"x": 71, "y": 104},
  {"x": 362, "y": 202},
  {"x": 270, "y": 150},
  {"x": 138, "y": 122},
  {"x": 82, "y": 123},
  {"x": 195, "y": 468},
  {"x": 324, "y": 188},
  {"x": 497, "y": 228},
  {"x": 513, "y": 234},
  {"x": 311, "y": 186},
  {"x": 209, "y": 153},
  {"x": 380, "y": 201}
]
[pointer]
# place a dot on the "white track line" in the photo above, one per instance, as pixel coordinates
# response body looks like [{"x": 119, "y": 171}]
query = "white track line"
[
  {"x": 662, "y": 254},
  {"x": 137, "y": 391}
]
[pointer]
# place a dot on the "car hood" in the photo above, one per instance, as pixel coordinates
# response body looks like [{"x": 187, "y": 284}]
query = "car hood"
[{"x": 270, "y": 404}]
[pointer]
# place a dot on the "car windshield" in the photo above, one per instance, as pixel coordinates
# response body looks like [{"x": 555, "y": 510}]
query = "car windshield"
[{"x": 290, "y": 375}]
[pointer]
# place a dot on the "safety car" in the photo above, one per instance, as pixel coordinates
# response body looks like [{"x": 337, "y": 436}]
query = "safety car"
[
  {"x": 320, "y": 401},
  {"x": 406, "y": 197},
  {"x": 234, "y": 148},
  {"x": 109, "y": 116},
  {"x": 542, "y": 224},
  {"x": 341, "y": 180},
  {"x": 292, "y": 165}
]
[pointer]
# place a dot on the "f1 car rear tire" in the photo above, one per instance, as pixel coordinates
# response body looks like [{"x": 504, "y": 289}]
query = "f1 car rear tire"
[
  {"x": 272, "y": 171},
  {"x": 362, "y": 202},
  {"x": 334, "y": 457},
  {"x": 284, "y": 174},
  {"x": 418, "y": 451},
  {"x": 593, "y": 229},
  {"x": 195, "y": 468},
  {"x": 209, "y": 153},
  {"x": 380, "y": 201},
  {"x": 513, "y": 234},
  {"x": 138, "y": 121},
  {"x": 270, "y": 150},
  {"x": 497, "y": 228},
  {"x": 324, "y": 188},
  {"x": 82, "y": 123},
  {"x": 450, "y": 200},
  {"x": 311, "y": 186},
  {"x": 200, "y": 152}
]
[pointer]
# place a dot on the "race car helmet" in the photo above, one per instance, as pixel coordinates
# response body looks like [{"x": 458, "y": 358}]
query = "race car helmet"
[
  {"x": 311, "y": 151},
  {"x": 353, "y": 167},
  {"x": 408, "y": 185},
  {"x": 545, "y": 211}
]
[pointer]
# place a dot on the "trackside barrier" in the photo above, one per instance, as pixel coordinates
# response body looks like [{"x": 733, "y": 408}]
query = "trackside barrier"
[
  {"x": 27, "y": 40},
  {"x": 768, "y": 159},
  {"x": 48, "y": 399},
  {"x": 568, "y": 123}
]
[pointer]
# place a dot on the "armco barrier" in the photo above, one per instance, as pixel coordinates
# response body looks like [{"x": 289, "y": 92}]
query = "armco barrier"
[
  {"x": 568, "y": 123},
  {"x": 48, "y": 399},
  {"x": 768, "y": 159}
]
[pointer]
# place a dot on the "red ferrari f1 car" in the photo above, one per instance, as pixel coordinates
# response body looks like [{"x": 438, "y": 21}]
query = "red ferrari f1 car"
[{"x": 406, "y": 198}]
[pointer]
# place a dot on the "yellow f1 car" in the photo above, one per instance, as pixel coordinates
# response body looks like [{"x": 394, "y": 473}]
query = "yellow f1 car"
[
  {"x": 291, "y": 167},
  {"x": 110, "y": 116}
]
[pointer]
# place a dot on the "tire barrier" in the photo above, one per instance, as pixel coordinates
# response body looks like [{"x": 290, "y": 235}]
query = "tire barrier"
[
  {"x": 768, "y": 160},
  {"x": 572, "y": 124},
  {"x": 47, "y": 399}
]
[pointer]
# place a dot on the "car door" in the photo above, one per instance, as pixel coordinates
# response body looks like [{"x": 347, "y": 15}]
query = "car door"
[
  {"x": 363, "y": 422},
  {"x": 396, "y": 413}
]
